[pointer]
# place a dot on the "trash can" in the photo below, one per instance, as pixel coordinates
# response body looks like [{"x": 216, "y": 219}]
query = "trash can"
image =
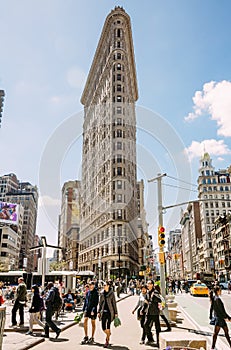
[{"x": 2, "y": 323}]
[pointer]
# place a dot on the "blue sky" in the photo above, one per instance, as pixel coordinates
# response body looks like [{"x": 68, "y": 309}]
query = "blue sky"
[{"x": 181, "y": 48}]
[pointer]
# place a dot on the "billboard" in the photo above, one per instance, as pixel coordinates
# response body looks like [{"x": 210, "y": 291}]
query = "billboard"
[{"x": 8, "y": 213}]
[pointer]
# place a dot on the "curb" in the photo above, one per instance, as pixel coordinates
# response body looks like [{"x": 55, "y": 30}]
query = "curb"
[{"x": 37, "y": 342}]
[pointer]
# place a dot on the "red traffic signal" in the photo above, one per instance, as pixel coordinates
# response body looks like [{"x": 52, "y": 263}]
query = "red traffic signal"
[{"x": 161, "y": 236}]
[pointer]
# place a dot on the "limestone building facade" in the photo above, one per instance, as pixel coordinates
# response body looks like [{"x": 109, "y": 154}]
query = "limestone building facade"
[
  {"x": 109, "y": 211},
  {"x": 214, "y": 194}
]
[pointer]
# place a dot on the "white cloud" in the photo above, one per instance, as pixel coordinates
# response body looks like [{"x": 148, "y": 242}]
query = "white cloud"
[
  {"x": 76, "y": 77},
  {"x": 215, "y": 100},
  {"x": 213, "y": 147}
]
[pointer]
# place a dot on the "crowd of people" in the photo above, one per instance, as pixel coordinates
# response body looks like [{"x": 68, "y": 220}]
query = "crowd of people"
[{"x": 98, "y": 301}]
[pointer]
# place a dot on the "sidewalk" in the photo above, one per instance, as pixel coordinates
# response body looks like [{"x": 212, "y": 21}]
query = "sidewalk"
[
  {"x": 125, "y": 337},
  {"x": 16, "y": 338}
]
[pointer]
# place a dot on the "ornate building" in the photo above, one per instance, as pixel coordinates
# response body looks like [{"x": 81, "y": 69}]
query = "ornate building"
[
  {"x": 214, "y": 193},
  {"x": 109, "y": 211}
]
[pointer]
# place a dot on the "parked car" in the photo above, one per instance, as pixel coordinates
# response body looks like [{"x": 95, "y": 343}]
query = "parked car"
[
  {"x": 199, "y": 289},
  {"x": 223, "y": 285}
]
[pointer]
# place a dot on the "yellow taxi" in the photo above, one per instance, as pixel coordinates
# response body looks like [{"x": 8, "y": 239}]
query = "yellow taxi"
[{"x": 199, "y": 289}]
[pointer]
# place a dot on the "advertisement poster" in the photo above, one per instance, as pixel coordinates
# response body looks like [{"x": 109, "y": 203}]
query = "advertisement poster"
[{"x": 8, "y": 213}]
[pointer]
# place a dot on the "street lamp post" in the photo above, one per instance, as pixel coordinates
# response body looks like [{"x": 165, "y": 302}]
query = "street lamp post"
[
  {"x": 43, "y": 246},
  {"x": 160, "y": 221}
]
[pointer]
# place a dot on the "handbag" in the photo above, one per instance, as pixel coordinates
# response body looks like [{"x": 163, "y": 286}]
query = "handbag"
[{"x": 212, "y": 321}]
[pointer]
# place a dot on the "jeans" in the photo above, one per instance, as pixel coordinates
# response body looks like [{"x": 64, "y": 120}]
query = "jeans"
[
  {"x": 49, "y": 322},
  {"x": 17, "y": 305}
]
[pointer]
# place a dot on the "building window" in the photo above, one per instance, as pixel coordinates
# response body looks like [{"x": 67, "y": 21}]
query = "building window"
[
  {"x": 119, "y": 133},
  {"x": 119, "y": 158},
  {"x": 119, "y": 98},
  {"x": 119, "y": 66},
  {"x": 119, "y": 109},
  {"x": 119, "y": 145},
  {"x": 119, "y": 88},
  {"x": 119, "y": 184},
  {"x": 119, "y": 171},
  {"x": 119, "y": 77}
]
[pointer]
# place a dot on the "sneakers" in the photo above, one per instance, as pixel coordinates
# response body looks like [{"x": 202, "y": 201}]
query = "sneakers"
[
  {"x": 13, "y": 326},
  {"x": 142, "y": 342},
  {"x": 84, "y": 341},
  {"x": 91, "y": 340},
  {"x": 29, "y": 333}
]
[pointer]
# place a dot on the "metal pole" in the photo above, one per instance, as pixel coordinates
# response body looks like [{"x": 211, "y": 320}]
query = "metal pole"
[
  {"x": 160, "y": 220},
  {"x": 43, "y": 266},
  {"x": 119, "y": 258}
]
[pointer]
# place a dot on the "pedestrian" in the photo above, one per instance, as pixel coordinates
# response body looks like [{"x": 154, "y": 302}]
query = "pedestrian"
[
  {"x": 162, "y": 307},
  {"x": 229, "y": 287},
  {"x": 173, "y": 285},
  {"x": 20, "y": 302},
  {"x": 2, "y": 300},
  {"x": 179, "y": 286},
  {"x": 69, "y": 298},
  {"x": 107, "y": 310},
  {"x": 139, "y": 306},
  {"x": 217, "y": 310},
  {"x": 118, "y": 288},
  {"x": 90, "y": 311},
  {"x": 152, "y": 313},
  {"x": 49, "y": 300},
  {"x": 35, "y": 309}
]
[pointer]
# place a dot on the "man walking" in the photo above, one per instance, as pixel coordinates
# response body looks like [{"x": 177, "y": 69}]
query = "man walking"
[
  {"x": 152, "y": 313},
  {"x": 20, "y": 302},
  {"x": 49, "y": 312},
  {"x": 90, "y": 311}
]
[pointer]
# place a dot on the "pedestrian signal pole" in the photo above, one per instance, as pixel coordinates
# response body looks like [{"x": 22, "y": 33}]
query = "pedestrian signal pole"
[{"x": 161, "y": 233}]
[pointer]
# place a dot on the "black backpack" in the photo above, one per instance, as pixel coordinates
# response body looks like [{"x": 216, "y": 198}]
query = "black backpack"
[{"x": 57, "y": 302}]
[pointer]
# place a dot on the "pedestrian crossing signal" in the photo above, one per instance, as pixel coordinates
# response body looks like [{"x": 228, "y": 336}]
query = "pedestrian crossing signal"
[{"x": 161, "y": 236}]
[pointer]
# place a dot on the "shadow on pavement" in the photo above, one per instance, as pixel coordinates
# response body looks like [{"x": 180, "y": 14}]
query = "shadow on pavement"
[{"x": 59, "y": 340}]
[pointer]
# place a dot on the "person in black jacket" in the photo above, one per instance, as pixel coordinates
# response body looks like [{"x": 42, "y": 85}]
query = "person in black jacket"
[
  {"x": 217, "y": 310},
  {"x": 90, "y": 311},
  {"x": 49, "y": 312},
  {"x": 36, "y": 305},
  {"x": 152, "y": 313}
]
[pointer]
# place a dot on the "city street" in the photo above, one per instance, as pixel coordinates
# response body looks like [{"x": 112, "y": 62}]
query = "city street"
[
  {"x": 127, "y": 336},
  {"x": 197, "y": 310},
  {"x": 193, "y": 314}
]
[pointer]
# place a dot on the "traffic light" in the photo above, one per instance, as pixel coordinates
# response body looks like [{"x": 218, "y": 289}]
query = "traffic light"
[{"x": 161, "y": 236}]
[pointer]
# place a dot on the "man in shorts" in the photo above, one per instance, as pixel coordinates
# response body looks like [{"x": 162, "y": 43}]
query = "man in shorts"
[{"x": 90, "y": 311}]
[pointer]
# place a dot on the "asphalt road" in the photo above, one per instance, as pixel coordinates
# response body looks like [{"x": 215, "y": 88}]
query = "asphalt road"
[{"x": 197, "y": 310}]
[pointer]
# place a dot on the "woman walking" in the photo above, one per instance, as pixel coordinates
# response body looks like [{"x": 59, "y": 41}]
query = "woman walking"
[
  {"x": 107, "y": 310},
  {"x": 139, "y": 306},
  {"x": 35, "y": 309},
  {"x": 217, "y": 310}
]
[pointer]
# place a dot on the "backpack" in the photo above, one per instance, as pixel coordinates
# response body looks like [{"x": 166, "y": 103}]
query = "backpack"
[{"x": 57, "y": 302}]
